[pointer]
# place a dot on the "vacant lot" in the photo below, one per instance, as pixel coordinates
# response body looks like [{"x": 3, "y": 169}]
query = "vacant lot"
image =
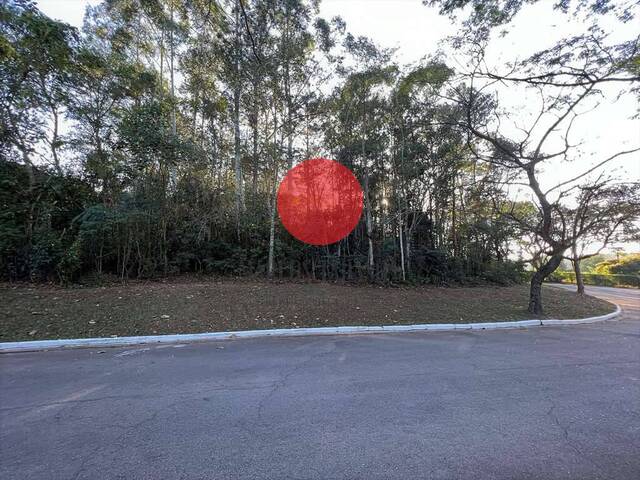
[{"x": 30, "y": 312}]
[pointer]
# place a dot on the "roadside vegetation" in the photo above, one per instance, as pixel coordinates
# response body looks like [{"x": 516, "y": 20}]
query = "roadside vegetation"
[
  {"x": 151, "y": 143},
  {"x": 602, "y": 270}
]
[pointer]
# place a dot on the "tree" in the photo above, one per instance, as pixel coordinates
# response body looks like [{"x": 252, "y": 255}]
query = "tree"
[
  {"x": 520, "y": 161},
  {"x": 565, "y": 77},
  {"x": 425, "y": 159},
  {"x": 35, "y": 59},
  {"x": 362, "y": 109},
  {"x": 181, "y": 112},
  {"x": 605, "y": 214}
]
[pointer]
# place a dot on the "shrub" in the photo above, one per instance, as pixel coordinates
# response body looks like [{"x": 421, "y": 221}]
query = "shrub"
[
  {"x": 504, "y": 273},
  {"x": 625, "y": 265},
  {"x": 44, "y": 255},
  {"x": 70, "y": 264},
  {"x": 599, "y": 280}
]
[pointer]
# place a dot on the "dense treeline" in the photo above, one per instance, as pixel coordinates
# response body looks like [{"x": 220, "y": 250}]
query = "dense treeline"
[
  {"x": 152, "y": 142},
  {"x": 178, "y": 122}
]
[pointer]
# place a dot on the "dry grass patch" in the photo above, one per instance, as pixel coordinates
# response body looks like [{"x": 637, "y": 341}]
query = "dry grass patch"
[{"x": 193, "y": 306}]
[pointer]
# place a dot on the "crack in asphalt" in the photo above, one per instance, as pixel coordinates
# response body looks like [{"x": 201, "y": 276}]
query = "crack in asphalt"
[
  {"x": 283, "y": 381},
  {"x": 250, "y": 427},
  {"x": 565, "y": 433}
]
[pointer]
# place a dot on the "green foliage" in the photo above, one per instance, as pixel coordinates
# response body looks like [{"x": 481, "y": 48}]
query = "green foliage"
[
  {"x": 70, "y": 265},
  {"x": 588, "y": 265},
  {"x": 149, "y": 187},
  {"x": 44, "y": 254},
  {"x": 600, "y": 280},
  {"x": 504, "y": 273},
  {"x": 36, "y": 224},
  {"x": 35, "y": 58},
  {"x": 434, "y": 75},
  {"x": 625, "y": 265}
]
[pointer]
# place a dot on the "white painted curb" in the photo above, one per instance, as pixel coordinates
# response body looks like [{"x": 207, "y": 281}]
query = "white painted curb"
[
  {"x": 8, "y": 347},
  {"x": 601, "y": 318}
]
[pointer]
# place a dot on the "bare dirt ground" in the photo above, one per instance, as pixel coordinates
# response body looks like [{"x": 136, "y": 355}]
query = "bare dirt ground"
[{"x": 29, "y": 312}]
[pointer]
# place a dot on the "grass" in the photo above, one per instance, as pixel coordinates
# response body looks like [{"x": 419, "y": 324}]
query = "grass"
[{"x": 29, "y": 312}]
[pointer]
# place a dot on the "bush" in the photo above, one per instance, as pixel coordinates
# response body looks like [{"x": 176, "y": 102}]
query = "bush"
[
  {"x": 505, "y": 273},
  {"x": 36, "y": 221},
  {"x": 599, "y": 280},
  {"x": 44, "y": 255},
  {"x": 625, "y": 265},
  {"x": 70, "y": 264}
]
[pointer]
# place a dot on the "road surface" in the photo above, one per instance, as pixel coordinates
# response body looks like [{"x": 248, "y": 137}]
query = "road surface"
[{"x": 541, "y": 403}]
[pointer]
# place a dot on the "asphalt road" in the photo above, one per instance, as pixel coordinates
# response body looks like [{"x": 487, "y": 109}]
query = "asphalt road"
[{"x": 541, "y": 403}]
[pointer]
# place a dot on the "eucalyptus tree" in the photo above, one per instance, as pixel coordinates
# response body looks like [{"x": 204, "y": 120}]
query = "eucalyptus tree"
[
  {"x": 295, "y": 44},
  {"x": 259, "y": 22},
  {"x": 420, "y": 155},
  {"x": 176, "y": 106},
  {"x": 283, "y": 74},
  {"x": 104, "y": 81},
  {"x": 358, "y": 133},
  {"x": 230, "y": 42}
]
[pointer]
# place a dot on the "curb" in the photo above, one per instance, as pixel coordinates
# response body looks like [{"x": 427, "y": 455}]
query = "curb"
[
  {"x": 36, "y": 345},
  {"x": 550, "y": 322}
]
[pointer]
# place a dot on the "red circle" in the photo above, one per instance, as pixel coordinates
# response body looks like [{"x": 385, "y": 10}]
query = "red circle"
[{"x": 320, "y": 201}]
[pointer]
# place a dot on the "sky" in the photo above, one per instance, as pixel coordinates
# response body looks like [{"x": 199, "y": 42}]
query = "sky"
[{"x": 416, "y": 31}]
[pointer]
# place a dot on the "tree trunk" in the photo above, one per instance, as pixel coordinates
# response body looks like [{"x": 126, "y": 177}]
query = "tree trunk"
[
  {"x": 367, "y": 199},
  {"x": 404, "y": 274},
  {"x": 32, "y": 186},
  {"x": 161, "y": 94},
  {"x": 171, "y": 73},
  {"x": 274, "y": 193},
  {"x": 535, "y": 292},
  {"x": 236, "y": 123},
  {"x": 173, "y": 173},
  {"x": 369, "y": 225},
  {"x": 287, "y": 89},
  {"x": 55, "y": 139},
  {"x": 408, "y": 232},
  {"x": 272, "y": 231},
  {"x": 255, "y": 131},
  {"x": 454, "y": 233},
  {"x": 578, "y": 272}
]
